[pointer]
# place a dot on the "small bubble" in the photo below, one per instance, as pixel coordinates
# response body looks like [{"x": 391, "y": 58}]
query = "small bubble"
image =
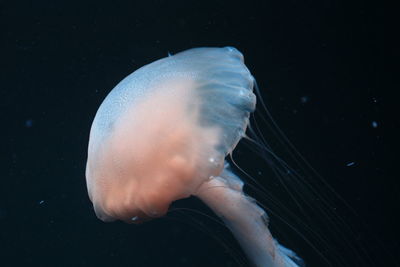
[{"x": 374, "y": 124}]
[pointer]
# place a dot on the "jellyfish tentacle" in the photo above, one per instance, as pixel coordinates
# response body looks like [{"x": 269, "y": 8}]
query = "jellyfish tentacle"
[{"x": 247, "y": 221}]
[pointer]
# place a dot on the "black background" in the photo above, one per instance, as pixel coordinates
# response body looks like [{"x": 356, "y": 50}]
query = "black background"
[{"x": 60, "y": 59}]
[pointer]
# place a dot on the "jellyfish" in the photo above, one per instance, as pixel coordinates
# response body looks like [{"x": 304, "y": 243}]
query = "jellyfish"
[{"x": 163, "y": 133}]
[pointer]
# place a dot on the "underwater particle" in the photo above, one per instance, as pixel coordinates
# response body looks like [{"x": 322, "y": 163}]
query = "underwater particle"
[
  {"x": 41, "y": 202},
  {"x": 29, "y": 123},
  {"x": 304, "y": 99},
  {"x": 374, "y": 124},
  {"x": 350, "y": 164}
]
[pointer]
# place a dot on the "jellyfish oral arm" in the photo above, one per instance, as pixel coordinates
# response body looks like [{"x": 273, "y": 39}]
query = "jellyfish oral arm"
[{"x": 247, "y": 221}]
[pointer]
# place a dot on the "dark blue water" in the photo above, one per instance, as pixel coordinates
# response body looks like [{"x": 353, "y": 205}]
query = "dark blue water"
[{"x": 320, "y": 69}]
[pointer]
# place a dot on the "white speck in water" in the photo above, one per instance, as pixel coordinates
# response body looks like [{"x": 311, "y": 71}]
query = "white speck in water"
[
  {"x": 41, "y": 202},
  {"x": 134, "y": 218},
  {"x": 374, "y": 124},
  {"x": 350, "y": 164}
]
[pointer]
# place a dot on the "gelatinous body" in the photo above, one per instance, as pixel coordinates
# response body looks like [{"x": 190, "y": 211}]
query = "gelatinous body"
[{"x": 162, "y": 134}]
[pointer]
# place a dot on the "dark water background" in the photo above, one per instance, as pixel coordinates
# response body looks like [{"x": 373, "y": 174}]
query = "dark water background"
[{"x": 319, "y": 64}]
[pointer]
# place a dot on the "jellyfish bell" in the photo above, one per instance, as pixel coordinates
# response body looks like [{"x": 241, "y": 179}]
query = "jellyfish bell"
[
  {"x": 165, "y": 129},
  {"x": 162, "y": 134}
]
